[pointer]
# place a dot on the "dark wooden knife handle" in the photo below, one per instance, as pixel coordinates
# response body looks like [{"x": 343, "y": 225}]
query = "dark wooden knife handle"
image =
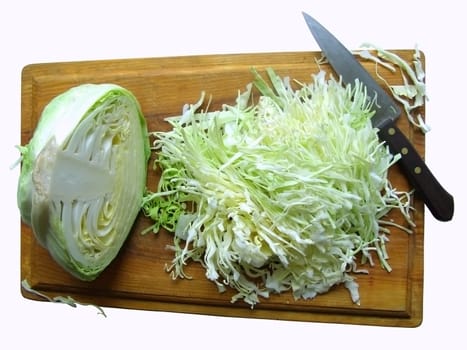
[{"x": 435, "y": 197}]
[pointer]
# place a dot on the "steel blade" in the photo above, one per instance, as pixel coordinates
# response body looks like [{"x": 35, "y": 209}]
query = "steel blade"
[{"x": 347, "y": 66}]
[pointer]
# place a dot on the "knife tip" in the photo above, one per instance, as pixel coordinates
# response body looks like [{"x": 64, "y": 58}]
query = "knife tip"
[{"x": 309, "y": 19}]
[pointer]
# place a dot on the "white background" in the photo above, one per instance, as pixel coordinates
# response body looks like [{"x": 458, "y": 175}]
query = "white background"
[{"x": 50, "y": 31}]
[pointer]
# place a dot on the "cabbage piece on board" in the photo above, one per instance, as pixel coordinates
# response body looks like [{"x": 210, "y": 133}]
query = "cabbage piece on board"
[{"x": 83, "y": 176}]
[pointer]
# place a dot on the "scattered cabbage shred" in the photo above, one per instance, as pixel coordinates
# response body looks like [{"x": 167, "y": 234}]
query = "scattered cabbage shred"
[
  {"x": 277, "y": 193},
  {"x": 58, "y": 299},
  {"x": 412, "y": 94}
]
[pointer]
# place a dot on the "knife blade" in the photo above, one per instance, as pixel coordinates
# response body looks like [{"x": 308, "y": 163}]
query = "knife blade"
[{"x": 436, "y": 198}]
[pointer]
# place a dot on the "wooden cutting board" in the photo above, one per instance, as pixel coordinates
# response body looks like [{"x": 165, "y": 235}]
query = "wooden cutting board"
[{"x": 137, "y": 279}]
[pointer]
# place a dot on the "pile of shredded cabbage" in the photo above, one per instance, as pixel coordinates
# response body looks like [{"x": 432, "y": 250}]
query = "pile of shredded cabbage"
[{"x": 285, "y": 193}]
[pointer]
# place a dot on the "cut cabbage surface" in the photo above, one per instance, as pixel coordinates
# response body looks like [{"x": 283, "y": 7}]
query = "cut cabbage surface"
[{"x": 83, "y": 176}]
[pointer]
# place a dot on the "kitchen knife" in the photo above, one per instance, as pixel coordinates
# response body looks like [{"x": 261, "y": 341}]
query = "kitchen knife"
[{"x": 435, "y": 197}]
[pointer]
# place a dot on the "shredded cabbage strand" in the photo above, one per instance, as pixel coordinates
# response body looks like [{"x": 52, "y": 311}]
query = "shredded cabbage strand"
[
  {"x": 278, "y": 195},
  {"x": 412, "y": 94}
]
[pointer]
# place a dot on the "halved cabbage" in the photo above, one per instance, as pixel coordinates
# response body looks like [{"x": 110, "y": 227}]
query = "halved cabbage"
[{"x": 83, "y": 176}]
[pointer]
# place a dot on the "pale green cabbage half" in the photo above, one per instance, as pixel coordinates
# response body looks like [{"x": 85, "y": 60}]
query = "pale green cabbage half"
[
  {"x": 280, "y": 195},
  {"x": 83, "y": 176}
]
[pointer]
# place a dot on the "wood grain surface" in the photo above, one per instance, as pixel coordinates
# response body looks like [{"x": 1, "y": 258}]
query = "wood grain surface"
[{"x": 137, "y": 279}]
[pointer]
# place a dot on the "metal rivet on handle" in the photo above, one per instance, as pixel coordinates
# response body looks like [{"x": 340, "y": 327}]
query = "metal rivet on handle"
[{"x": 417, "y": 170}]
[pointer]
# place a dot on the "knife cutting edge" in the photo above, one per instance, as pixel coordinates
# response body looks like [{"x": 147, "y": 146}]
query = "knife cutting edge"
[{"x": 436, "y": 198}]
